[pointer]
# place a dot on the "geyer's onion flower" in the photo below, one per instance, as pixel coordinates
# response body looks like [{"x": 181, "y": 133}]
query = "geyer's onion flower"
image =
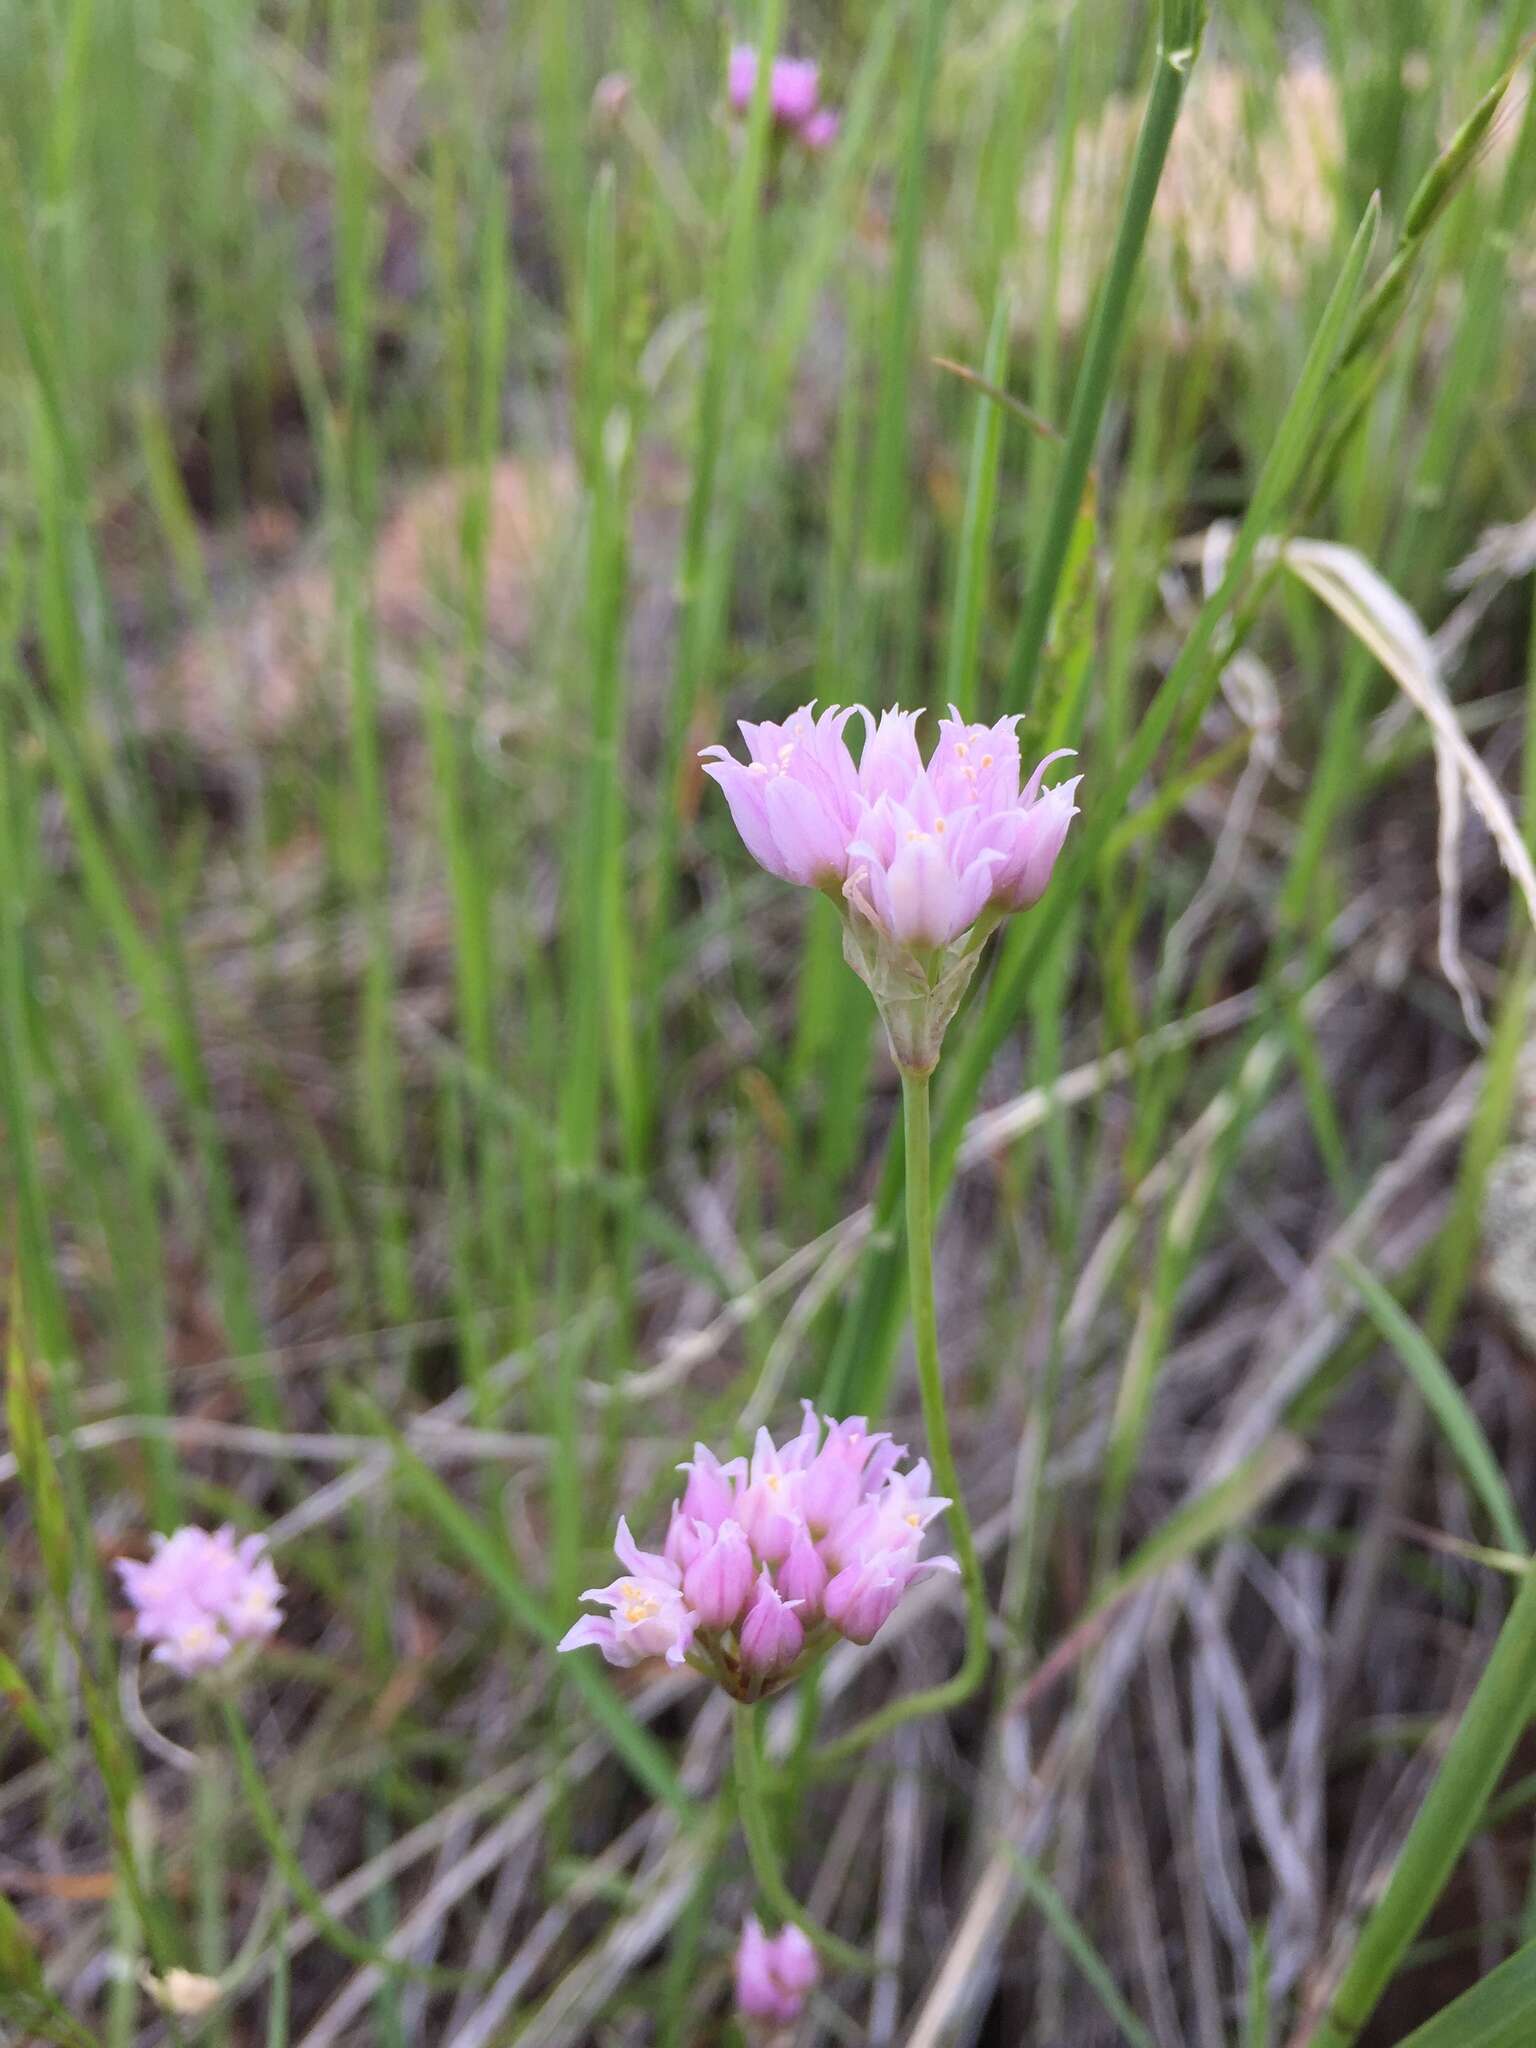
[
  {"x": 201, "y": 1596},
  {"x": 769, "y": 1559},
  {"x": 775, "y": 1974},
  {"x": 794, "y": 95},
  {"x": 923, "y": 859}
]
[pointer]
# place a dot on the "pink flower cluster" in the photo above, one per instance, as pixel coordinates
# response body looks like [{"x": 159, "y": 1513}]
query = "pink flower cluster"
[
  {"x": 919, "y": 850},
  {"x": 768, "y": 1559},
  {"x": 200, "y": 1595},
  {"x": 775, "y": 1974},
  {"x": 794, "y": 92}
]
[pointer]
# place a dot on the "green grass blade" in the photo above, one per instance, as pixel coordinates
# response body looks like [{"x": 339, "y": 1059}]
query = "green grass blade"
[
  {"x": 969, "y": 606},
  {"x": 1079, "y": 1948},
  {"x": 1500, "y": 2012},
  {"x": 1181, "y": 25},
  {"x": 1445, "y": 1401},
  {"x": 1496, "y": 1716}
]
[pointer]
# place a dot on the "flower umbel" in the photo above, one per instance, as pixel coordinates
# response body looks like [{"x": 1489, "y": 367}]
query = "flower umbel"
[
  {"x": 924, "y": 859},
  {"x": 743, "y": 1588},
  {"x": 775, "y": 1974},
  {"x": 201, "y": 1595}
]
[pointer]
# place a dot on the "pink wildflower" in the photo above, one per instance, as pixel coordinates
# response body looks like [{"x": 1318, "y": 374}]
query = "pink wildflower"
[
  {"x": 741, "y": 76},
  {"x": 647, "y": 1616},
  {"x": 803, "y": 1576},
  {"x": 772, "y": 1634},
  {"x": 743, "y": 1586},
  {"x": 770, "y": 1506},
  {"x": 200, "y": 1594},
  {"x": 775, "y": 1974},
  {"x": 923, "y": 859},
  {"x": 841, "y": 1474},
  {"x": 794, "y": 89},
  {"x": 862, "y": 1598},
  {"x": 716, "y": 1584},
  {"x": 794, "y": 94},
  {"x": 794, "y": 85},
  {"x": 710, "y": 1494}
]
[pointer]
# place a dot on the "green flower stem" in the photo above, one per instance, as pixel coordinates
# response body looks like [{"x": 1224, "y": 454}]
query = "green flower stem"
[
  {"x": 755, "y": 1825},
  {"x": 925, "y": 1335}
]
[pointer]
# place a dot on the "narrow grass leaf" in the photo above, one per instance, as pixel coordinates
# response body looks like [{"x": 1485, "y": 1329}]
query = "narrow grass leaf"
[
  {"x": 1079, "y": 1949},
  {"x": 1492, "y": 1724},
  {"x": 1445, "y": 1401},
  {"x": 1500, "y": 2012}
]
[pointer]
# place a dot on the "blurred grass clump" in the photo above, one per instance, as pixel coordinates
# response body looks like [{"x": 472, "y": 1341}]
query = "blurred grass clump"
[{"x": 421, "y": 428}]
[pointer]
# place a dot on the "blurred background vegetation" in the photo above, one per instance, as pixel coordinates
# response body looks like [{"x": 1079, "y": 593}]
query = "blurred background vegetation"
[{"x": 422, "y": 426}]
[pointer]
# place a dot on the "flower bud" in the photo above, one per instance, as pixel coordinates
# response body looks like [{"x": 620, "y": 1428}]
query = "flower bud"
[
  {"x": 772, "y": 1636},
  {"x": 686, "y": 1537},
  {"x": 774, "y": 1974},
  {"x": 719, "y": 1579},
  {"x": 710, "y": 1494},
  {"x": 803, "y": 1577},
  {"x": 861, "y": 1599}
]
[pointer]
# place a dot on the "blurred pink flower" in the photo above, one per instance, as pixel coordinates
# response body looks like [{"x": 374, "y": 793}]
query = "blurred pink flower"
[
  {"x": 794, "y": 93},
  {"x": 923, "y": 859},
  {"x": 774, "y": 1974},
  {"x": 742, "y": 1588},
  {"x": 741, "y": 76},
  {"x": 200, "y": 1595}
]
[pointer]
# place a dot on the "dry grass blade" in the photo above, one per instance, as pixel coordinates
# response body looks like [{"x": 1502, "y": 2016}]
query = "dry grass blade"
[{"x": 1362, "y": 599}]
